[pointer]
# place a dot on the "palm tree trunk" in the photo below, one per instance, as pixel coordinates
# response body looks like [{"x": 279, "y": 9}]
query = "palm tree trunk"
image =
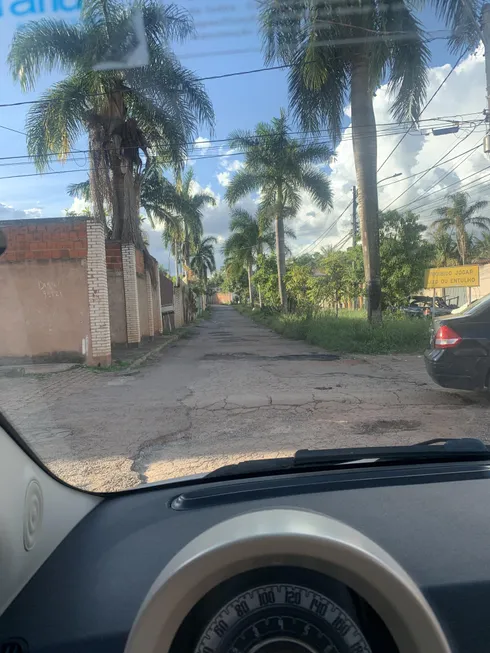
[
  {"x": 97, "y": 175},
  {"x": 118, "y": 209},
  {"x": 365, "y": 159},
  {"x": 281, "y": 251},
  {"x": 260, "y": 297},
  {"x": 250, "y": 293}
]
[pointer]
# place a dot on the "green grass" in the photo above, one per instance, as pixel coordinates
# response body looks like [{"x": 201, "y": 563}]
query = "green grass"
[{"x": 350, "y": 332}]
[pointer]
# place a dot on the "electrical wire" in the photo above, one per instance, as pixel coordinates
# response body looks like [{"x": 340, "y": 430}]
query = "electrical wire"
[
  {"x": 210, "y": 144},
  {"x": 441, "y": 159},
  {"x": 460, "y": 58}
]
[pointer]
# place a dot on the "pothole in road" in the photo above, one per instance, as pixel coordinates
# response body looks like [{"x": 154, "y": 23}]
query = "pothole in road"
[
  {"x": 387, "y": 426},
  {"x": 243, "y": 355}
]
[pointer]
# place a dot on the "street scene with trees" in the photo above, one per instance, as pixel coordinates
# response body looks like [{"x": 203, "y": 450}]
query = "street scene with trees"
[{"x": 292, "y": 222}]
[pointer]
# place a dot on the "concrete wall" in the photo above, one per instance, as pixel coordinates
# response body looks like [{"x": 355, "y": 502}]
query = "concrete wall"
[
  {"x": 117, "y": 306},
  {"x": 115, "y": 287},
  {"x": 143, "y": 305},
  {"x": 222, "y": 298},
  {"x": 166, "y": 290},
  {"x": 44, "y": 298}
]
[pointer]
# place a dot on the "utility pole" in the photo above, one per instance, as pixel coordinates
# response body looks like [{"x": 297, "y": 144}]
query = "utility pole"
[
  {"x": 354, "y": 231},
  {"x": 486, "y": 44},
  {"x": 354, "y": 216}
]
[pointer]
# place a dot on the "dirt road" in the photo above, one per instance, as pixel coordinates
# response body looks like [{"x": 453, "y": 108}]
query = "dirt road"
[{"x": 233, "y": 391}]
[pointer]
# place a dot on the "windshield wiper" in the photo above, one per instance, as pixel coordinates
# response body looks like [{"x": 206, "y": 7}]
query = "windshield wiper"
[{"x": 431, "y": 451}]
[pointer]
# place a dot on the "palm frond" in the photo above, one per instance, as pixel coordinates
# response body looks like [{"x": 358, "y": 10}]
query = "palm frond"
[
  {"x": 241, "y": 184},
  {"x": 408, "y": 63},
  {"x": 318, "y": 186},
  {"x": 80, "y": 190},
  {"x": 166, "y": 22},
  {"x": 462, "y": 16},
  {"x": 56, "y": 122},
  {"x": 45, "y": 45}
]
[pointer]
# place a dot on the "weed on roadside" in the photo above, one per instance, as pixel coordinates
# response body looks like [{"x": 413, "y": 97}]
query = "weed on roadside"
[{"x": 350, "y": 332}]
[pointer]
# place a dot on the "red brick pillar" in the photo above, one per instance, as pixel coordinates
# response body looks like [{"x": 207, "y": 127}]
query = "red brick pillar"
[
  {"x": 99, "y": 352},
  {"x": 131, "y": 294}
]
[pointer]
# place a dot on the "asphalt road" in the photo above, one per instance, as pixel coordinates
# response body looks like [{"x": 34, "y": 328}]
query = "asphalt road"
[{"x": 232, "y": 391}]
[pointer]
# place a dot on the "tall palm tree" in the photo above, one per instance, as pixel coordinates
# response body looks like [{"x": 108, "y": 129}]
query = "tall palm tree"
[
  {"x": 191, "y": 215},
  {"x": 343, "y": 51},
  {"x": 460, "y": 215},
  {"x": 280, "y": 167},
  {"x": 202, "y": 260},
  {"x": 154, "y": 109},
  {"x": 248, "y": 238}
]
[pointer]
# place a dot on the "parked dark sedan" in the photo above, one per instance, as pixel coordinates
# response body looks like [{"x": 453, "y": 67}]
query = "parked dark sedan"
[{"x": 459, "y": 354}]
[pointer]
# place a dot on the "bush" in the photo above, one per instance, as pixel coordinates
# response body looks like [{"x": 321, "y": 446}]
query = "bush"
[{"x": 350, "y": 332}]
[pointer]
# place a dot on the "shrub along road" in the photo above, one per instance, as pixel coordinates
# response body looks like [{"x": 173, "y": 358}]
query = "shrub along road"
[{"x": 234, "y": 391}]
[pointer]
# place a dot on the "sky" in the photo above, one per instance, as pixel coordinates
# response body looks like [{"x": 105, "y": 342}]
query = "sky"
[{"x": 228, "y": 41}]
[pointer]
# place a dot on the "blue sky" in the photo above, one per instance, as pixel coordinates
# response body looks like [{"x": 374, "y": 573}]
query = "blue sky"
[{"x": 228, "y": 41}]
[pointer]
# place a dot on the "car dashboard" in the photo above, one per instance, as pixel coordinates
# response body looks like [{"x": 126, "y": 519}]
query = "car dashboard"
[{"x": 352, "y": 560}]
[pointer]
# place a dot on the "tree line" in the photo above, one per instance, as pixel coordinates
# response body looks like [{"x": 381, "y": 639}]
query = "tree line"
[{"x": 334, "y": 278}]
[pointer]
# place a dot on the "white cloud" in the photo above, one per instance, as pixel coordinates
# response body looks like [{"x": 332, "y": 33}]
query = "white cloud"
[
  {"x": 201, "y": 144},
  {"x": 10, "y": 213},
  {"x": 78, "y": 206},
  {"x": 223, "y": 178},
  {"x": 462, "y": 93}
]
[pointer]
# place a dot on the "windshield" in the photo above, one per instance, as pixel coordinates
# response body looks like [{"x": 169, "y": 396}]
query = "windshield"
[{"x": 212, "y": 216}]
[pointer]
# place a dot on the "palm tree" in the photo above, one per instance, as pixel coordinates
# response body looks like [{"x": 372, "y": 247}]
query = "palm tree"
[
  {"x": 248, "y": 238},
  {"x": 482, "y": 247},
  {"x": 191, "y": 216},
  {"x": 159, "y": 198},
  {"x": 460, "y": 215},
  {"x": 280, "y": 167},
  {"x": 341, "y": 51},
  {"x": 154, "y": 109},
  {"x": 202, "y": 260},
  {"x": 445, "y": 250}
]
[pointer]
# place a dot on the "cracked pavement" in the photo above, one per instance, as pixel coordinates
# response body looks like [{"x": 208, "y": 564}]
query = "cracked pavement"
[{"x": 233, "y": 391}]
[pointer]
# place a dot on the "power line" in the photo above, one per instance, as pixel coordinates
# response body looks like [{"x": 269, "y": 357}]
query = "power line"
[
  {"x": 208, "y": 144},
  {"x": 439, "y": 181},
  {"x": 425, "y": 107},
  {"x": 457, "y": 144},
  {"x": 475, "y": 183},
  {"x": 326, "y": 232},
  {"x": 456, "y": 183},
  {"x": 16, "y": 131},
  {"x": 385, "y": 36}
]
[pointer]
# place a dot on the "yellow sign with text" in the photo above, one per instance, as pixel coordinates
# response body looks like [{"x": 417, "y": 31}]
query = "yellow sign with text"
[{"x": 461, "y": 275}]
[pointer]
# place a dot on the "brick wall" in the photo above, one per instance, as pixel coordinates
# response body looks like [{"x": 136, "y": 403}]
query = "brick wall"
[
  {"x": 100, "y": 330},
  {"x": 131, "y": 294},
  {"x": 166, "y": 290},
  {"x": 113, "y": 255},
  {"x": 140, "y": 262},
  {"x": 45, "y": 239},
  {"x": 222, "y": 298},
  {"x": 44, "y": 290}
]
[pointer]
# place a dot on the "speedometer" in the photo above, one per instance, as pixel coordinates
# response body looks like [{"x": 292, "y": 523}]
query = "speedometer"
[{"x": 282, "y": 618}]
